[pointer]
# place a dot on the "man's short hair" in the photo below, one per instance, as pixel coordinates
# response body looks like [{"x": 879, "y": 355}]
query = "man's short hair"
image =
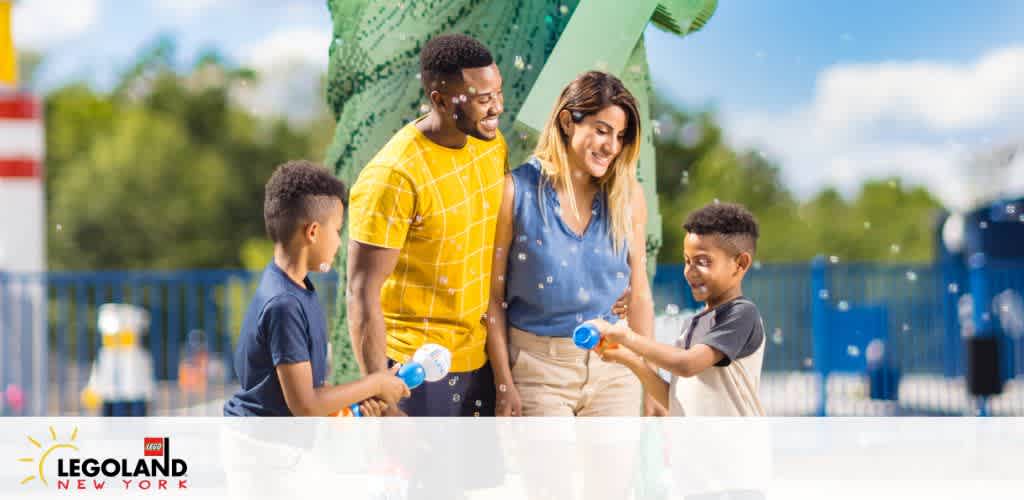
[
  {"x": 297, "y": 193},
  {"x": 443, "y": 58},
  {"x": 732, "y": 222}
]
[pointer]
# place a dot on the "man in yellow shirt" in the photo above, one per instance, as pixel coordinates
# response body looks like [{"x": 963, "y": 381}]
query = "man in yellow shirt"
[{"x": 423, "y": 215}]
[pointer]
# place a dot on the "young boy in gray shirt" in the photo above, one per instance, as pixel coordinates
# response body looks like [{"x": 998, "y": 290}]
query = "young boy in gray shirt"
[{"x": 716, "y": 363}]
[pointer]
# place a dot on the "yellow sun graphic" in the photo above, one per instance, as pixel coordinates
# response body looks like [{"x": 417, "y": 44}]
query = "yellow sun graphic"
[{"x": 46, "y": 453}]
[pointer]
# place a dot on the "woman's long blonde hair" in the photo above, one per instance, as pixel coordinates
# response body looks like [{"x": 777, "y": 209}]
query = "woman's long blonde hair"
[{"x": 589, "y": 93}]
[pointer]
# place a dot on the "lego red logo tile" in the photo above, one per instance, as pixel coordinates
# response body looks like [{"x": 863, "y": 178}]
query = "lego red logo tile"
[{"x": 154, "y": 447}]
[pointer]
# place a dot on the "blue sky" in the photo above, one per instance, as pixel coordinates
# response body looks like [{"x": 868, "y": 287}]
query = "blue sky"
[
  {"x": 766, "y": 54},
  {"x": 836, "y": 92}
]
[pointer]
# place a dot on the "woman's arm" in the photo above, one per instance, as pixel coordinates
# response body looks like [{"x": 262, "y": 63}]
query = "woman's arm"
[
  {"x": 641, "y": 303},
  {"x": 507, "y": 401}
]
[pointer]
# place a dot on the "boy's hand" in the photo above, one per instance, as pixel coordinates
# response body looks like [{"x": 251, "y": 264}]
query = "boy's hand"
[
  {"x": 611, "y": 333},
  {"x": 621, "y": 355},
  {"x": 373, "y": 407},
  {"x": 391, "y": 389}
]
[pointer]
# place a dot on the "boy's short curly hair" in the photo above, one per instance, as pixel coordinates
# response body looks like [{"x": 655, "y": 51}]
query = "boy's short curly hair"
[
  {"x": 445, "y": 56},
  {"x": 297, "y": 193},
  {"x": 736, "y": 226}
]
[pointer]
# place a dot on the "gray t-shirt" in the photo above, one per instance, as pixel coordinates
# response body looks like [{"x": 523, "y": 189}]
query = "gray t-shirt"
[{"x": 731, "y": 386}]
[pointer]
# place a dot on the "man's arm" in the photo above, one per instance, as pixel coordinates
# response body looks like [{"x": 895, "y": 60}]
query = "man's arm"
[{"x": 368, "y": 268}]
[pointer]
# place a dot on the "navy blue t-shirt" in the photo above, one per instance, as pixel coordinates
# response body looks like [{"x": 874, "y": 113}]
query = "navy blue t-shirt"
[{"x": 284, "y": 324}]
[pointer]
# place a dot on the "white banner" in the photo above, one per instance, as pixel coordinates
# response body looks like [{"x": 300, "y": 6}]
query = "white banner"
[{"x": 487, "y": 458}]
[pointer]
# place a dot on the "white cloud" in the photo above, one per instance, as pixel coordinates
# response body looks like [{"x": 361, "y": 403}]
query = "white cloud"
[
  {"x": 290, "y": 63},
  {"x": 917, "y": 120},
  {"x": 40, "y": 24},
  {"x": 289, "y": 45},
  {"x": 184, "y": 9}
]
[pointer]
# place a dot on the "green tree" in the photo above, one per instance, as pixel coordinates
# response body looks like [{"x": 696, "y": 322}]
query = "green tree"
[
  {"x": 884, "y": 222},
  {"x": 165, "y": 171}
]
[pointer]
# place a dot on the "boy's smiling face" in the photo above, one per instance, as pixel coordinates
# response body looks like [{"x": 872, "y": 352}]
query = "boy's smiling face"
[{"x": 713, "y": 270}]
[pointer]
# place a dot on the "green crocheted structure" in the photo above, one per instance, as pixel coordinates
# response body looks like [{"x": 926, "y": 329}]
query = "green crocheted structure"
[{"x": 373, "y": 86}]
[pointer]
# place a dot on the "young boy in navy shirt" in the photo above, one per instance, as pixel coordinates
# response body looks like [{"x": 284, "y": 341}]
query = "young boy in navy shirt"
[{"x": 281, "y": 359}]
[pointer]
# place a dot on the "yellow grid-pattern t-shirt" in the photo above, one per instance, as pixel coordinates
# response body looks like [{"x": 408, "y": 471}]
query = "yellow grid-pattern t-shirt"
[{"x": 439, "y": 207}]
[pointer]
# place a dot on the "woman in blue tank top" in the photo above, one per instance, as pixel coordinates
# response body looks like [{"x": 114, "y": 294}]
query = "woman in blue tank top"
[{"x": 570, "y": 240}]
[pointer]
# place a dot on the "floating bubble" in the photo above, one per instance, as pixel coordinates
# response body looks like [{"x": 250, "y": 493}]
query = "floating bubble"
[
  {"x": 476, "y": 414},
  {"x": 462, "y": 98},
  {"x": 424, "y": 108},
  {"x": 504, "y": 305},
  {"x": 478, "y": 403},
  {"x": 550, "y": 279},
  {"x": 953, "y": 288},
  {"x": 843, "y": 306},
  {"x": 443, "y": 280},
  {"x": 823, "y": 294},
  {"x": 671, "y": 309},
  {"x": 572, "y": 249},
  {"x": 454, "y": 380},
  {"x": 565, "y": 263},
  {"x": 521, "y": 238},
  {"x": 451, "y": 291},
  {"x": 564, "y": 9},
  {"x": 502, "y": 388},
  {"x": 716, "y": 201},
  {"x": 894, "y": 248},
  {"x": 540, "y": 286},
  {"x": 777, "y": 336},
  {"x": 540, "y": 243},
  {"x": 324, "y": 267},
  {"x": 875, "y": 351},
  {"x": 501, "y": 277},
  {"x": 808, "y": 362},
  {"x": 833, "y": 259},
  {"x": 853, "y": 351},
  {"x": 911, "y": 276},
  {"x": 456, "y": 398},
  {"x": 60, "y": 228},
  {"x": 419, "y": 76},
  {"x": 620, "y": 275},
  {"x": 690, "y": 135},
  {"x": 579, "y": 318},
  {"x": 521, "y": 257},
  {"x": 1010, "y": 308},
  {"x": 471, "y": 90},
  {"x": 757, "y": 264},
  {"x": 867, "y": 224},
  {"x": 905, "y": 327},
  {"x": 583, "y": 295},
  {"x": 519, "y": 63}
]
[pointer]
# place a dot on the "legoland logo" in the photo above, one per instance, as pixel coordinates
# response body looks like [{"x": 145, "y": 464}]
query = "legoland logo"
[{"x": 161, "y": 472}]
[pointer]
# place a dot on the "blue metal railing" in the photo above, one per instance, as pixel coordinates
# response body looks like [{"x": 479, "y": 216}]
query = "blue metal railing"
[{"x": 49, "y": 337}]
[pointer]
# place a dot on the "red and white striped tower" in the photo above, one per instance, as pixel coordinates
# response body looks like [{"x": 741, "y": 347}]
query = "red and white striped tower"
[{"x": 22, "y": 234}]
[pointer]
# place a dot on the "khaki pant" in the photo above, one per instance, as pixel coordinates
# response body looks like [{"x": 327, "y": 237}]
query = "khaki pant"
[{"x": 556, "y": 378}]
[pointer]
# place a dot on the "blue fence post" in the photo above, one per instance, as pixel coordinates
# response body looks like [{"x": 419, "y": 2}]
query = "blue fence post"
[
  {"x": 954, "y": 284},
  {"x": 819, "y": 328},
  {"x": 981, "y": 296}
]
